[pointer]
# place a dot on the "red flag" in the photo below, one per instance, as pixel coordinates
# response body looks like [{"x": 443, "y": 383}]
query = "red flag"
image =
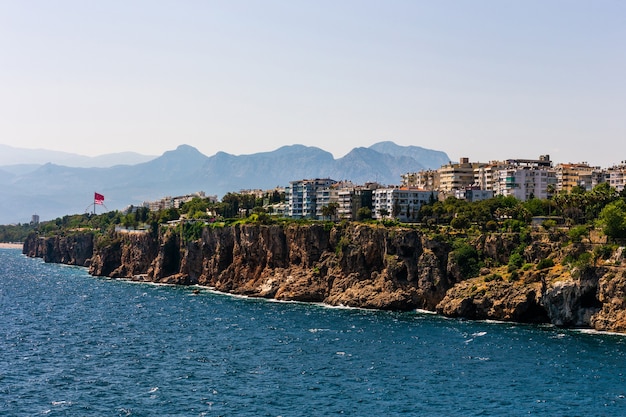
[{"x": 98, "y": 198}]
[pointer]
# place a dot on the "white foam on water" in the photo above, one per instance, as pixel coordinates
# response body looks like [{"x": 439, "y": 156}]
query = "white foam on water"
[{"x": 593, "y": 331}]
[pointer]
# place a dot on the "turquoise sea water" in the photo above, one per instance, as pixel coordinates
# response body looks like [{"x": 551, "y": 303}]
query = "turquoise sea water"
[{"x": 76, "y": 345}]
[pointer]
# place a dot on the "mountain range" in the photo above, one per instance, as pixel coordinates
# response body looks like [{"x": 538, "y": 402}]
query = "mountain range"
[{"x": 53, "y": 189}]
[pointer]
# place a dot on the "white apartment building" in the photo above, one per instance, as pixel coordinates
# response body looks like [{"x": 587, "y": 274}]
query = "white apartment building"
[
  {"x": 525, "y": 183},
  {"x": 400, "y": 203},
  {"x": 302, "y": 196},
  {"x": 325, "y": 196},
  {"x": 616, "y": 176},
  {"x": 473, "y": 193}
]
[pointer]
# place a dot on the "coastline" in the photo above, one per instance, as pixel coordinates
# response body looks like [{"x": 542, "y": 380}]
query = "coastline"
[{"x": 5, "y": 245}]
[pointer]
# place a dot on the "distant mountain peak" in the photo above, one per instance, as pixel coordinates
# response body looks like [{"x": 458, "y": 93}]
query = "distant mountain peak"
[
  {"x": 429, "y": 158},
  {"x": 186, "y": 148}
]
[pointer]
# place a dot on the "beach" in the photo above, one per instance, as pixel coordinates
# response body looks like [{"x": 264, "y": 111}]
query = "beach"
[{"x": 5, "y": 245}]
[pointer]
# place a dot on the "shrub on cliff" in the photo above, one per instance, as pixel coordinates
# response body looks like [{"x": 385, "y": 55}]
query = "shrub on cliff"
[
  {"x": 467, "y": 258},
  {"x": 545, "y": 263},
  {"x": 604, "y": 252},
  {"x": 515, "y": 262},
  {"x": 343, "y": 243},
  {"x": 106, "y": 240},
  {"x": 192, "y": 230},
  {"x": 259, "y": 218},
  {"x": 577, "y": 233}
]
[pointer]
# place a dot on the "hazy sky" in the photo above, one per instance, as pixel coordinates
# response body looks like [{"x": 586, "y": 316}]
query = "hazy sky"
[{"x": 484, "y": 79}]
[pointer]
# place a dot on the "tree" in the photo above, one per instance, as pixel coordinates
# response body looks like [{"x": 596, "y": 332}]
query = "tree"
[
  {"x": 612, "y": 219},
  {"x": 395, "y": 211},
  {"x": 130, "y": 220},
  {"x": 460, "y": 222},
  {"x": 364, "y": 213},
  {"x": 168, "y": 215},
  {"x": 468, "y": 259},
  {"x": 330, "y": 210}
]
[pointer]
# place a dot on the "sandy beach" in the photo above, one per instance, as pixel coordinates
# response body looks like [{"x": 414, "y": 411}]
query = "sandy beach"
[{"x": 4, "y": 245}]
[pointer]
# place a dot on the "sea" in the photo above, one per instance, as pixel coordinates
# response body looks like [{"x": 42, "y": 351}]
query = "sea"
[{"x": 76, "y": 345}]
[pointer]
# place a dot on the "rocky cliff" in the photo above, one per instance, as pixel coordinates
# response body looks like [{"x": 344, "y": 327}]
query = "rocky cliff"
[{"x": 367, "y": 266}]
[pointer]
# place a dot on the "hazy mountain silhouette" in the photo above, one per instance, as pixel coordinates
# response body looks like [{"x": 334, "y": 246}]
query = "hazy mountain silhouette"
[
  {"x": 53, "y": 190},
  {"x": 10, "y": 155}
]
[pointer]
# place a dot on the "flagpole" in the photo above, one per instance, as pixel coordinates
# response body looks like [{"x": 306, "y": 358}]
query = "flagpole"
[{"x": 94, "y": 203}]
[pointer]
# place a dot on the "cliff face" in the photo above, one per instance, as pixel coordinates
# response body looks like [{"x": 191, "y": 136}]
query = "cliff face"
[
  {"x": 75, "y": 249},
  {"x": 361, "y": 266},
  {"x": 355, "y": 265}
]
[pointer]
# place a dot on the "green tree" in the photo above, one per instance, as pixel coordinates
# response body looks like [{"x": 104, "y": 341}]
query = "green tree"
[
  {"x": 460, "y": 222},
  {"x": 196, "y": 207},
  {"x": 612, "y": 219},
  {"x": 468, "y": 259},
  {"x": 130, "y": 221},
  {"x": 167, "y": 215},
  {"x": 364, "y": 213},
  {"x": 330, "y": 211}
]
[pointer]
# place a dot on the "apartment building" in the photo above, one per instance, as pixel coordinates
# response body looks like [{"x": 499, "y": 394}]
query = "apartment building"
[
  {"x": 425, "y": 179},
  {"x": 325, "y": 196},
  {"x": 616, "y": 176},
  {"x": 486, "y": 175},
  {"x": 401, "y": 203},
  {"x": 581, "y": 174},
  {"x": 302, "y": 196},
  {"x": 351, "y": 199},
  {"x": 525, "y": 178},
  {"x": 176, "y": 202},
  {"x": 473, "y": 193},
  {"x": 454, "y": 176}
]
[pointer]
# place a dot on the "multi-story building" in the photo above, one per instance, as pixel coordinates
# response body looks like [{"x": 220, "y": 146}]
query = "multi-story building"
[
  {"x": 302, "y": 196},
  {"x": 486, "y": 175},
  {"x": 325, "y": 196},
  {"x": 352, "y": 199},
  {"x": 176, "y": 202},
  {"x": 525, "y": 178},
  {"x": 616, "y": 176},
  {"x": 473, "y": 193},
  {"x": 454, "y": 176},
  {"x": 257, "y": 193},
  {"x": 582, "y": 175},
  {"x": 400, "y": 203},
  {"x": 425, "y": 179}
]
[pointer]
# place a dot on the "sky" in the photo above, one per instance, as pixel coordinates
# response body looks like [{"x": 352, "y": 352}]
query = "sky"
[{"x": 484, "y": 79}]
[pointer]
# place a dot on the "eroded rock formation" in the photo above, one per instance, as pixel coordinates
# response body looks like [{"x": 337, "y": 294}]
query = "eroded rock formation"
[{"x": 361, "y": 265}]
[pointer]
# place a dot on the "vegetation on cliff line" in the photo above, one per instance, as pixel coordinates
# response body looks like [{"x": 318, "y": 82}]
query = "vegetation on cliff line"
[{"x": 602, "y": 208}]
